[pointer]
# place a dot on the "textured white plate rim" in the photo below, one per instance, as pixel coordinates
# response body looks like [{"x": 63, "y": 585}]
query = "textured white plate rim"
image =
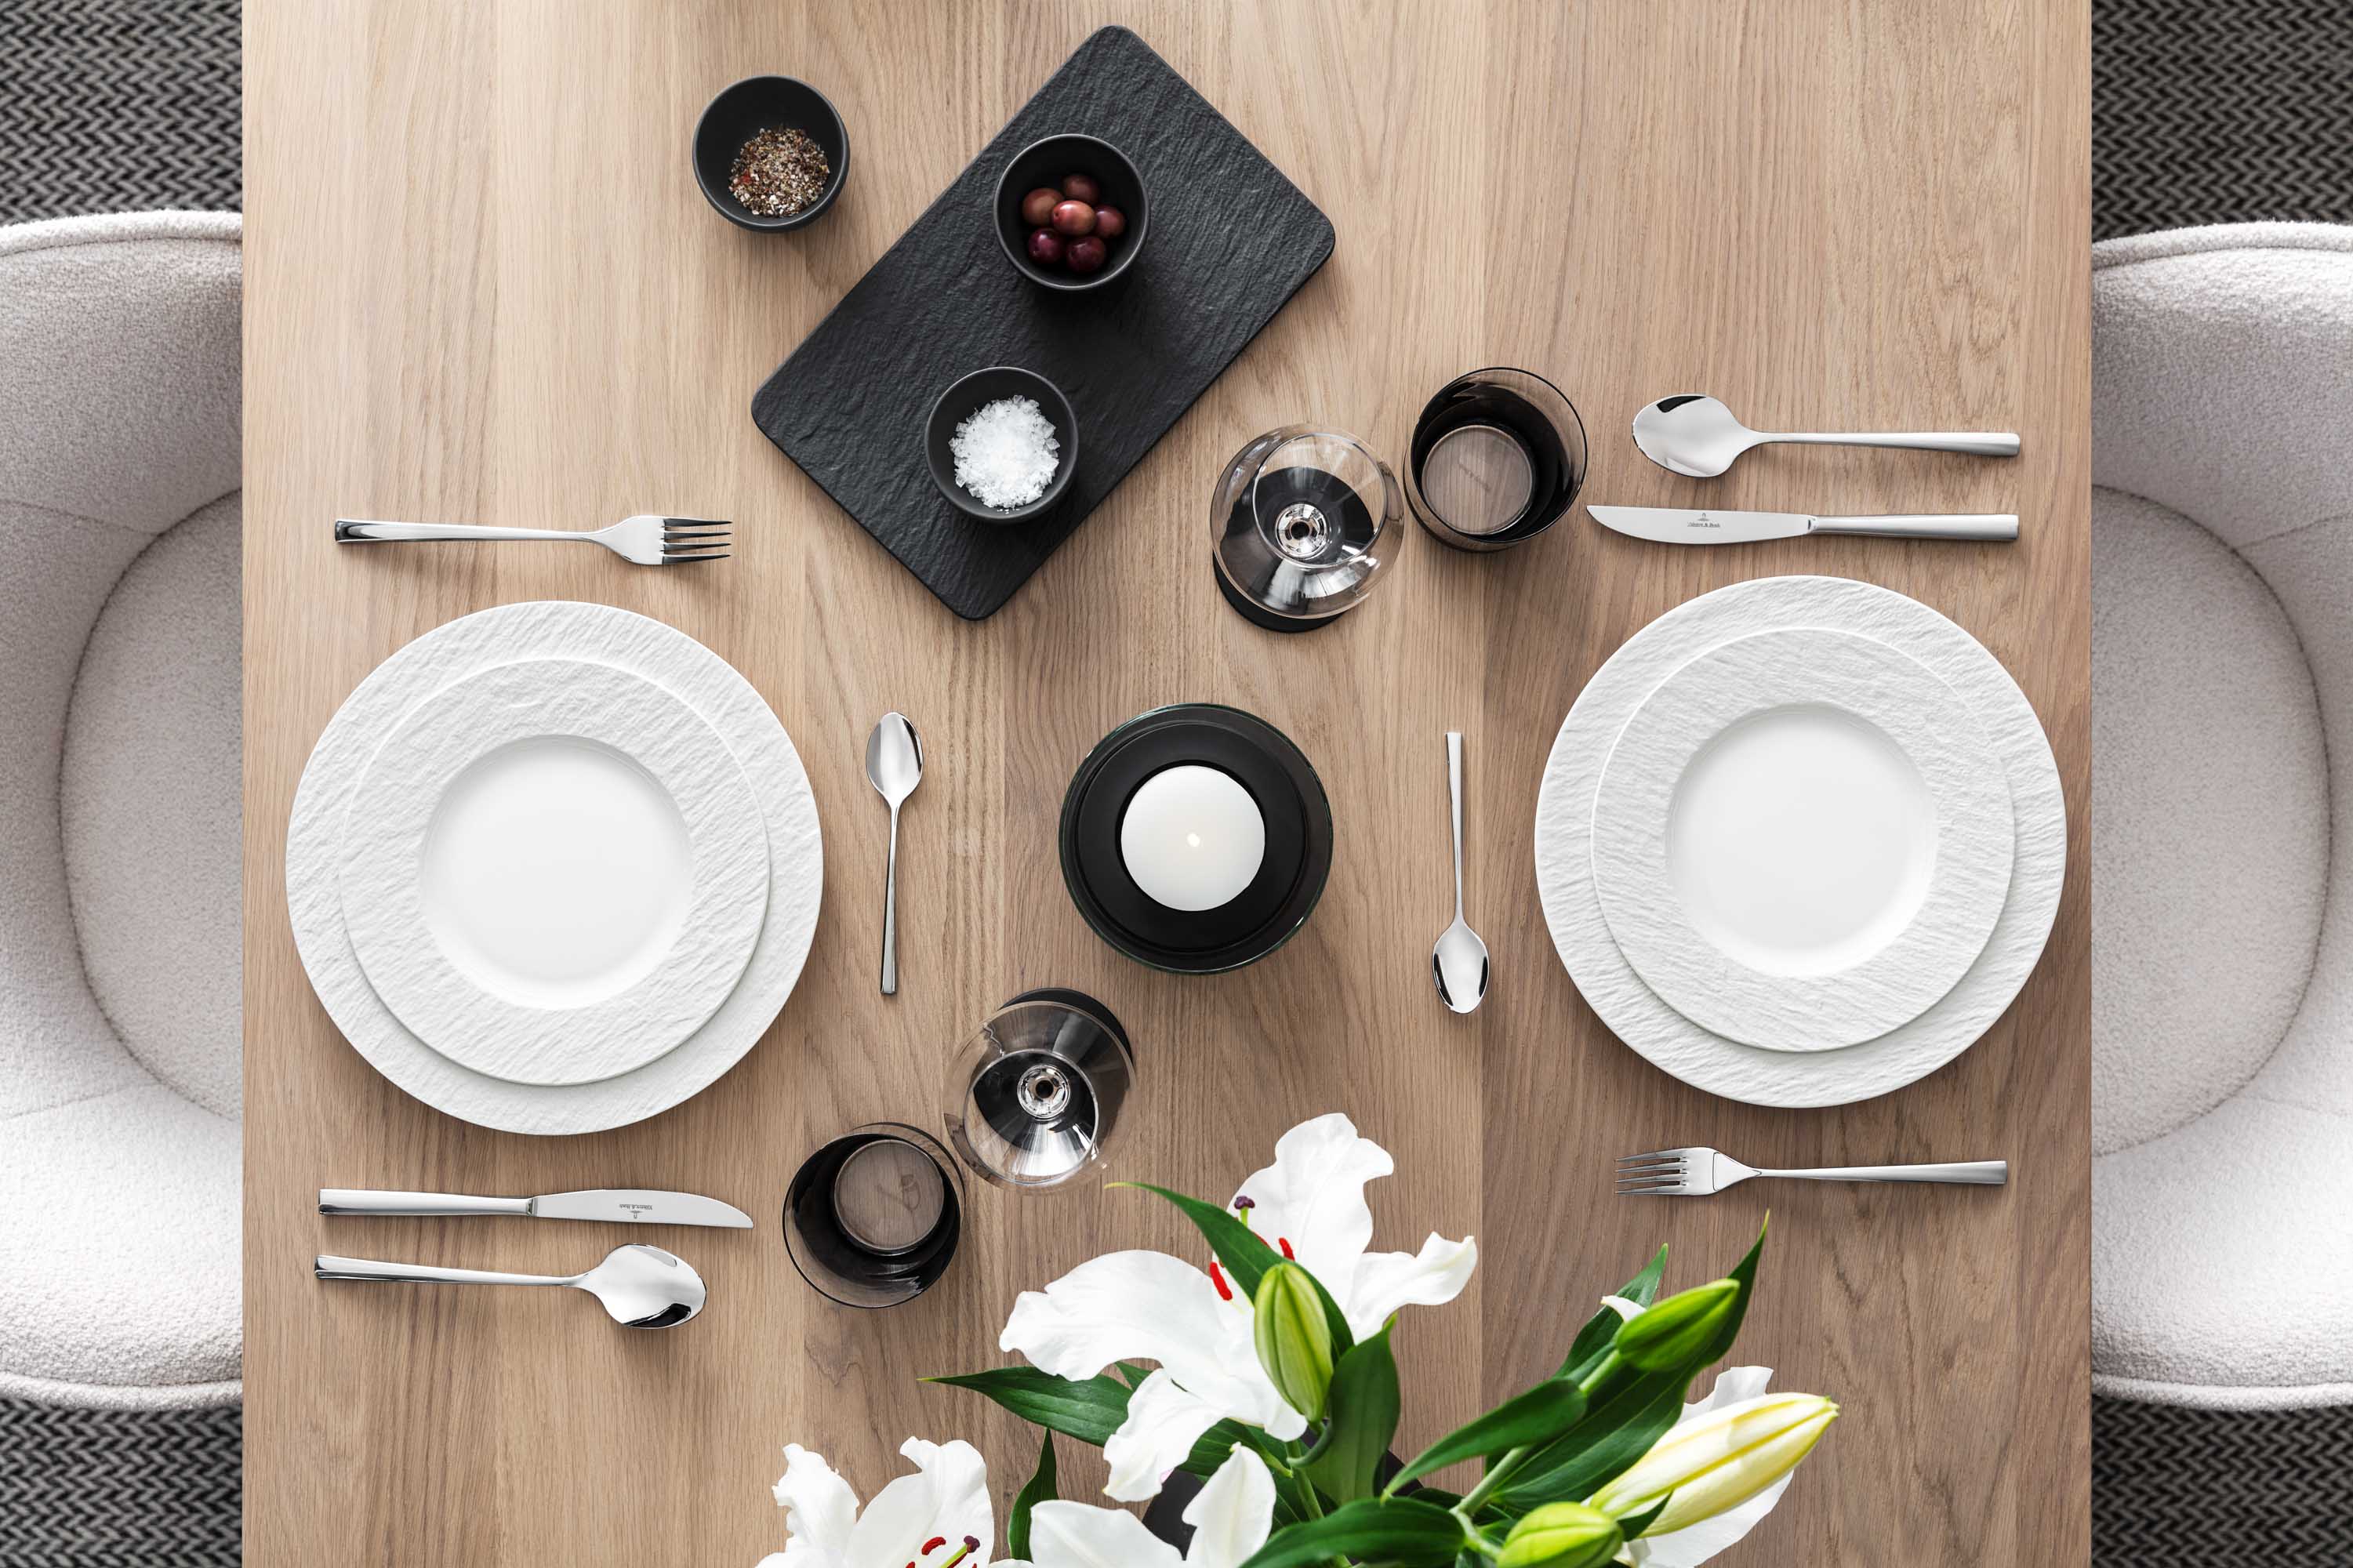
[
  {"x": 383, "y": 839},
  {"x": 556, "y": 628},
  {"x": 1665, "y": 1037},
  {"x": 1921, "y": 717}
]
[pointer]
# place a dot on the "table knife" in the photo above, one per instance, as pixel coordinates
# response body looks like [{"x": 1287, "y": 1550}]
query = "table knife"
[
  {"x": 621, "y": 1204},
  {"x": 1673, "y": 525}
]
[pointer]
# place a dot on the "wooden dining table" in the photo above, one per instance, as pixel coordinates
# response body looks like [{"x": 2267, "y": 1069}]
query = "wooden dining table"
[{"x": 482, "y": 286}]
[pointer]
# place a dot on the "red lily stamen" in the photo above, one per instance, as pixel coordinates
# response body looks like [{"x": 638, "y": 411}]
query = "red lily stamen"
[
  {"x": 934, "y": 1544},
  {"x": 1217, "y": 1277},
  {"x": 1284, "y": 1242}
]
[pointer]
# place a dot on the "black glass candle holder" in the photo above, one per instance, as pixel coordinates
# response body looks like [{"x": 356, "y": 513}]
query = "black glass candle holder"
[
  {"x": 872, "y": 1218},
  {"x": 1290, "y": 877}
]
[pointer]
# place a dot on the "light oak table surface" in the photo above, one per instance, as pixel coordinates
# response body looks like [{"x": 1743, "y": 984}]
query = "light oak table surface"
[{"x": 482, "y": 286}]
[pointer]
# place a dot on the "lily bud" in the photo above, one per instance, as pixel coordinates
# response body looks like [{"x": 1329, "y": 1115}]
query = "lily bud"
[
  {"x": 1674, "y": 1332},
  {"x": 1561, "y": 1535},
  {"x": 1719, "y": 1460},
  {"x": 1294, "y": 1341}
]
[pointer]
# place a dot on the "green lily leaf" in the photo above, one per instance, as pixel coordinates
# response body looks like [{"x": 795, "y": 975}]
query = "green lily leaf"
[
  {"x": 1246, "y": 1256},
  {"x": 1364, "y": 1406},
  {"x": 1040, "y": 1489},
  {"x": 1628, "y": 1413},
  {"x": 1593, "y": 1340},
  {"x": 1089, "y": 1409},
  {"x": 1402, "y": 1531},
  {"x": 1540, "y": 1415}
]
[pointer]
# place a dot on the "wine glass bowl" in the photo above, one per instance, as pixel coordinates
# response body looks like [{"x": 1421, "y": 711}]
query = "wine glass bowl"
[
  {"x": 1033, "y": 1095},
  {"x": 1302, "y": 525}
]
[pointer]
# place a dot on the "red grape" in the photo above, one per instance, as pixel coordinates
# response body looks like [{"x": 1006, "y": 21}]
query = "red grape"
[
  {"x": 1038, "y": 206},
  {"x": 1046, "y": 248},
  {"x": 1110, "y": 222},
  {"x": 1074, "y": 218},
  {"x": 1085, "y": 256},
  {"x": 1081, "y": 188}
]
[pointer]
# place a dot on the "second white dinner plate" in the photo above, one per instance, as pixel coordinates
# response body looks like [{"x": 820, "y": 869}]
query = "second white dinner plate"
[
  {"x": 1698, "y": 1056},
  {"x": 599, "y": 634},
  {"x": 553, "y": 871},
  {"x": 1801, "y": 839}
]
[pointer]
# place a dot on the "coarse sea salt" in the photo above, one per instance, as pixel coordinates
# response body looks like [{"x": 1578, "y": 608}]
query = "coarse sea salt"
[{"x": 1006, "y": 453}]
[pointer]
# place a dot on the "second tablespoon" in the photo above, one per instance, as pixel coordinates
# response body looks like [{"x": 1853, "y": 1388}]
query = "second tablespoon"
[
  {"x": 640, "y": 1286},
  {"x": 1688, "y": 433}
]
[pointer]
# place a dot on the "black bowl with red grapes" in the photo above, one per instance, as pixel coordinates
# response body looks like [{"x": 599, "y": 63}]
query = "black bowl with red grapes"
[{"x": 1071, "y": 212}]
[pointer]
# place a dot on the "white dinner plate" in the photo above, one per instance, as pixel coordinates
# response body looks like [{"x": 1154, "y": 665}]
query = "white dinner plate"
[
  {"x": 1801, "y": 839},
  {"x": 554, "y": 629},
  {"x": 1699, "y": 1056},
  {"x": 553, "y": 871}
]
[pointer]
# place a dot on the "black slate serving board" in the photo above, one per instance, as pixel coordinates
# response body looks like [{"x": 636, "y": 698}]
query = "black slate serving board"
[{"x": 1230, "y": 241}]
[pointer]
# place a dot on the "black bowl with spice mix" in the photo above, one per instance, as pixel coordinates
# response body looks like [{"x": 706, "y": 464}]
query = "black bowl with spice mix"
[{"x": 771, "y": 153}]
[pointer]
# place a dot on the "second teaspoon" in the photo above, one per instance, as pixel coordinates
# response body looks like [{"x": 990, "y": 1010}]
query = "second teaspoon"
[
  {"x": 1459, "y": 962},
  {"x": 894, "y": 766}
]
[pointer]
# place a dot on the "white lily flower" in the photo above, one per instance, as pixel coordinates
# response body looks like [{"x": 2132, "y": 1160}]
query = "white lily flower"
[
  {"x": 1736, "y": 1388},
  {"x": 937, "y": 1517},
  {"x": 1148, "y": 1306},
  {"x": 1231, "y": 1519}
]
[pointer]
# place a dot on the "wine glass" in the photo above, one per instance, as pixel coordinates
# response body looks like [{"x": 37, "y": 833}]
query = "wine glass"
[
  {"x": 1301, "y": 525},
  {"x": 1033, "y": 1095}
]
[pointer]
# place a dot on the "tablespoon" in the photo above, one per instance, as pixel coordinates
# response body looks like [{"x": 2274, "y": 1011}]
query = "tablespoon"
[
  {"x": 641, "y": 1287},
  {"x": 1459, "y": 962},
  {"x": 894, "y": 766},
  {"x": 1688, "y": 433}
]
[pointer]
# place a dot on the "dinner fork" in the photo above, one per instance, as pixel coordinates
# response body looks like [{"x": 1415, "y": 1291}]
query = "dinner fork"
[
  {"x": 646, "y": 538},
  {"x": 1697, "y": 1173}
]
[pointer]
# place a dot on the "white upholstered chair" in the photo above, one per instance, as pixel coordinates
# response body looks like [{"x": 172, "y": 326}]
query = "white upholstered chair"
[
  {"x": 2223, "y": 816},
  {"x": 120, "y": 946}
]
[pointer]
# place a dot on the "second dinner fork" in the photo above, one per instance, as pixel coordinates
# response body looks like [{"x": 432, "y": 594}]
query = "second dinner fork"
[
  {"x": 647, "y": 539},
  {"x": 1697, "y": 1173}
]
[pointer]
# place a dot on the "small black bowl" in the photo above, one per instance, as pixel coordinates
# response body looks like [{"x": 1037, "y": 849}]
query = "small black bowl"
[
  {"x": 760, "y": 103},
  {"x": 1045, "y": 163},
  {"x": 956, "y": 404}
]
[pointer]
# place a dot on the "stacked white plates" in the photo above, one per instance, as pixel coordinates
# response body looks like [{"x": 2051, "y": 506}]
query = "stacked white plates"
[
  {"x": 1800, "y": 841},
  {"x": 554, "y": 867}
]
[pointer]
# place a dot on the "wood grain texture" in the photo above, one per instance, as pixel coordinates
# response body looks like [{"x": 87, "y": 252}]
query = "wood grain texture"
[{"x": 482, "y": 286}]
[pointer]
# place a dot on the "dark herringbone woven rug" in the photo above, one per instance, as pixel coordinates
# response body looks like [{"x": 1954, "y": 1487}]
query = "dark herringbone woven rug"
[
  {"x": 2221, "y": 111},
  {"x": 118, "y": 106},
  {"x": 2270, "y": 1486},
  {"x": 111, "y": 1488}
]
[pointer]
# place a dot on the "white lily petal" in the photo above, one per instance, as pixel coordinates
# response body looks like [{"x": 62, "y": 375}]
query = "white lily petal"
[
  {"x": 1627, "y": 1310},
  {"x": 1073, "y": 1535},
  {"x": 1148, "y": 1306},
  {"x": 1313, "y": 1197},
  {"x": 820, "y": 1508},
  {"x": 1388, "y": 1281},
  {"x": 947, "y": 1495},
  {"x": 1163, "y": 1423},
  {"x": 1232, "y": 1516}
]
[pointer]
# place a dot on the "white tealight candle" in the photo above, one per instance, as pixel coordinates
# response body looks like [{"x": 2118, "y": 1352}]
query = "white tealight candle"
[{"x": 1193, "y": 837}]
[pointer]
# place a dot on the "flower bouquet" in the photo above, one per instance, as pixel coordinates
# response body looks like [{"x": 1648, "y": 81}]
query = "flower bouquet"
[{"x": 1276, "y": 1388}]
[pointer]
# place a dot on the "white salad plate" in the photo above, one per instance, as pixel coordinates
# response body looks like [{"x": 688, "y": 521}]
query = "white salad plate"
[
  {"x": 1801, "y": 839},
  {"x": 594, "y": 634},
  {"x": 553, "y": 871},
  {"x": 1700, "y": 1056}
]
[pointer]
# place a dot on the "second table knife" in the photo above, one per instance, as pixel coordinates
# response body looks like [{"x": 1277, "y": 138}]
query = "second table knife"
[
  {"x": 1675, "y": 525},
  {"x": 625, "y": 1205}
]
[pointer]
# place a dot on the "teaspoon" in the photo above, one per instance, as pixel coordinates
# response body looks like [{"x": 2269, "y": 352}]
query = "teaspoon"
[
  {"x": 1459, "y": 962},
  {"x": 1688, "y": 433},
  {"x": 894, "y": 766},
  {"x": 640, "y": 1286}
]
